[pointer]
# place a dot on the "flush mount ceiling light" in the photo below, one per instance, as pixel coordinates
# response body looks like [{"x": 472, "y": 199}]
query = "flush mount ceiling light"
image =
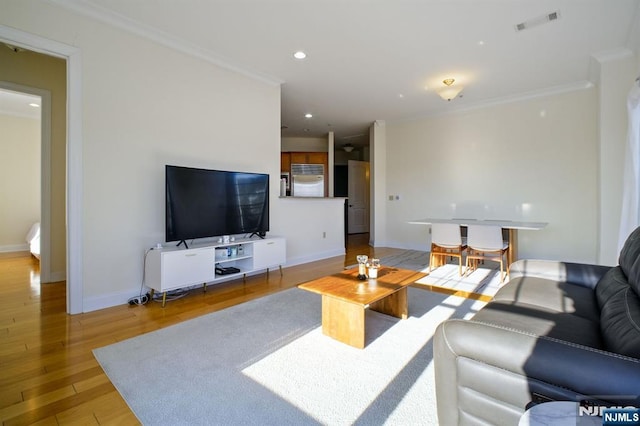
[
  {"x": 308, "y": 115},
  {"x": 299, "y": 55},
  {"x": 449, "y": 91},
  {"x": 348, "y": 147}
]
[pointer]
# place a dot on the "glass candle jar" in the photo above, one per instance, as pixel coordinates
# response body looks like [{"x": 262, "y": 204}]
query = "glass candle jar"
[
  {"x": 362, "y": 266},
  {"x": 374, "y": 265}
]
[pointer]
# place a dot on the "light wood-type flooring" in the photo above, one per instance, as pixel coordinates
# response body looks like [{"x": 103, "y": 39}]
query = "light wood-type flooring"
[{"x": 48, "y": 375}]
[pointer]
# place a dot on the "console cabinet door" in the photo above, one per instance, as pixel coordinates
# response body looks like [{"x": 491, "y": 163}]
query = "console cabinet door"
[
  {"x": 268, "y": 253},
  {"x": 186, "y": 267}
]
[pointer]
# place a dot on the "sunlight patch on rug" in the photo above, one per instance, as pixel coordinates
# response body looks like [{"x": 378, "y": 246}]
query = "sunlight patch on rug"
[
  {"x": 484, "y": 280},
  {"x": 267, "y": 362},
  {"x": 292, "y": 372}
]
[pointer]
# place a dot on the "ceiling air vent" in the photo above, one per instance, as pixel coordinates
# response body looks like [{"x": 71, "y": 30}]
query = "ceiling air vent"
[{"x": 540, "y": 20}]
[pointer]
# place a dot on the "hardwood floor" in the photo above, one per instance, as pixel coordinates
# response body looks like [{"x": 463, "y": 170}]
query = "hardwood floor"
[{"x": 48, "y": 374}]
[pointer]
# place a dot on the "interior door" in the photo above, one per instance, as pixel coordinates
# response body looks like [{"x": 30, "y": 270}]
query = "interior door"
[{"x": 358, "y": 207}]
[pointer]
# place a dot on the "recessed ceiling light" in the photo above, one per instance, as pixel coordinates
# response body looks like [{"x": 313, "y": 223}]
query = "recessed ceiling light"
[
  {"x": 299, "y": 55},
  {"x": 481, "y": 43},
  {"x": 35, "y": 105},
  {"x": 400, "y": 95},
  {"x": 308, "y": 115}
]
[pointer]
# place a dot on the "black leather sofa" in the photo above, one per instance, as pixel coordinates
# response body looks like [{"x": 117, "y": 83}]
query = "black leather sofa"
[{"x": 555, "y": 331}]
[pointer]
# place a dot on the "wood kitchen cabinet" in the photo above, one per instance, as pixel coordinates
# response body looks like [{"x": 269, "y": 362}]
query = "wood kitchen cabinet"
[
  {"x": 285, "y": 162},
  {"x": 309, "y": 158}
]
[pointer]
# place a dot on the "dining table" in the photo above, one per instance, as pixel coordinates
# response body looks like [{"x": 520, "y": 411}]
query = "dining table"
[{"x": 511, "y": 226}]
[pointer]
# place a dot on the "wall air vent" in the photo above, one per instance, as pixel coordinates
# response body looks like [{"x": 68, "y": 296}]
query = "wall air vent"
[
  {"x": 307, "y": 169},
  {"x": 540, "y": 20}
]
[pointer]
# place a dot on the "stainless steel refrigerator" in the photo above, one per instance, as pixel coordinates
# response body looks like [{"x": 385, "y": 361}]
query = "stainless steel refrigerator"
[{"x": 307, "y": 180}]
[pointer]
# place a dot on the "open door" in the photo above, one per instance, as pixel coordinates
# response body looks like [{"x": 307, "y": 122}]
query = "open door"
[{"x": 358, "y": 207}]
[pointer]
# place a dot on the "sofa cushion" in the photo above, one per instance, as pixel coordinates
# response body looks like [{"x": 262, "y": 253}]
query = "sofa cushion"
[
  {"x": 620, "y": 323},
  {"x": 542, "y": 322},
  {"x": 611, "y": 283},
  {"x": 634, "y": 277},
  {"x": 580, "y": 274},
  {"x": 629, "y": 259},
  {"x": 551, "y": 295}
]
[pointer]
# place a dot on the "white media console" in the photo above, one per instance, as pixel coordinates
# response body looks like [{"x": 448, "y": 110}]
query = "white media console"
[{"x": 170, "y": 268}]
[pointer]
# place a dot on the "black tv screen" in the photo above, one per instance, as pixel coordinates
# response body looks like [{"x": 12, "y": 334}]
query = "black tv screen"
[{"x": 204, "y": 203}]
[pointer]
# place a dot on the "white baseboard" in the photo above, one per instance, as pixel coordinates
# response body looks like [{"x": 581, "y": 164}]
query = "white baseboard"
[
  {"x": 316, "y": 256},
  {"x": 104, "y": 301},
  {"x": 14, "y": 247},
  {"x": 121, "y": 298}
]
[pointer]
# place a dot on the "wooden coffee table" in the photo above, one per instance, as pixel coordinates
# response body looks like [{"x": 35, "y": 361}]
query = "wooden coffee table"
[{"x": 345, "y": 298}]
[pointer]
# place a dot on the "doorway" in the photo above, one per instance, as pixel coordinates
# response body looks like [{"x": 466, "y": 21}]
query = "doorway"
[
  {"x": 358, "y": 188},
  {"x": 72, "y": 117},
  {"x": 26, "y": 142}
]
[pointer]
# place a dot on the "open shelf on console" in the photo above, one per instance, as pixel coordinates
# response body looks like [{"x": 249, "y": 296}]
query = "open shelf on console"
[{"x": 176, "y": 267}]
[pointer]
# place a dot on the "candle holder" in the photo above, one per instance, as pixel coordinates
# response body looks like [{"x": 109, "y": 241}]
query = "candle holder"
[{"x": 362, "y": 266}]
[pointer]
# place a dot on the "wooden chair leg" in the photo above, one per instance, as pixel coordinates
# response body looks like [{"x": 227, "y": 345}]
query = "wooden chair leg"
[{"x": 508, "y": 266}]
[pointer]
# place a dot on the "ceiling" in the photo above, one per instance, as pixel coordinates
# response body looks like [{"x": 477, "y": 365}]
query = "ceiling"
[{"x": 383, "y": 59}]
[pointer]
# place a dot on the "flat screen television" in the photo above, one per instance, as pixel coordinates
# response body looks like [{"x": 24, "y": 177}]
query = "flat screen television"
[{"x": 203, "y": 203}]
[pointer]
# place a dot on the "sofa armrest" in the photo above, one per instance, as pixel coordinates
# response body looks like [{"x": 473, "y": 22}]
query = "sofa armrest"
[
  {"x": 582, "y": 274},
  {"x": 486, "y": 373}
]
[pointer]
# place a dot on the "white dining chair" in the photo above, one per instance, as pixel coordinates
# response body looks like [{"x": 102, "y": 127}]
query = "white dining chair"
[
  {"x": 446, "y": 241},
  {"x": 485, "y": 242}
]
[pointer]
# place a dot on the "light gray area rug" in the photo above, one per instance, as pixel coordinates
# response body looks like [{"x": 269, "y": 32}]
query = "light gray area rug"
[
  {"x": 414, "y": 260},
  {"x": 267, "y": 362}
]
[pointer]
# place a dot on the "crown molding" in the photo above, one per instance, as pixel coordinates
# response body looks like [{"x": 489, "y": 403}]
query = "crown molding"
[
  {"x": 111, "y": 18},
  {"x": 534, "y": 94},
  {"x": 519, "y": 97}
]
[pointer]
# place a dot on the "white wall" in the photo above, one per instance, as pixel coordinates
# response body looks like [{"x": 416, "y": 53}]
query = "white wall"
[
  {"x": 379, "y": 169},
  {"x": 533, "y": 160},
  {"x": 314, "y": 228},
  {"x": 616, "y": 75},
  {"x": 19, "y": 180},
  {"x": 145, "y": 105},
  {"x": 305, "y": 144}
]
